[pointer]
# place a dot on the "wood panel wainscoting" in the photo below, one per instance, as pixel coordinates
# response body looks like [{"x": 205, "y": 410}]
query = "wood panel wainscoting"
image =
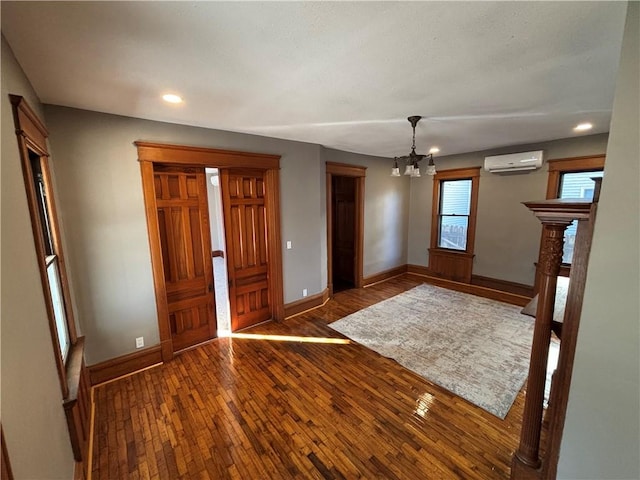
[{"x": 451, "y": 265}]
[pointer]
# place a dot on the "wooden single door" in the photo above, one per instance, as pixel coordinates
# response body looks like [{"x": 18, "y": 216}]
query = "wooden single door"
[
  {"x": 183, "y": 223},
  {"x": 344, "y": 237},
  {"x": 245, "y": 223}
]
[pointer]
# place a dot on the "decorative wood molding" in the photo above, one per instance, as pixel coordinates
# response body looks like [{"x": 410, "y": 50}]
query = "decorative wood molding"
[
  {"x": 573, "y": 309},
  {"x": 503, "y": 285},
  {"x": 125, "y": 364},
  {"x": 384, "y": 275},
  {"x": 152, "y": 154},
  {"x": 527, "y": 455},
  {"x": 28, "y": 125},
  {"x": 573, "y": 164},
  {"x": 506, "y": 297},
  {"x": 555, "y": 216},
  {"x": 457, "y": 173},
  {"x": 157, "y": 268},
  {"x": 274, "y": 243},
  {"x": 307, "y": 303},
  {"x": 454, "y": 264},
  {"x": 205, "y": 157},
  {"x": 345, "y": 169},
  {"x": 576, "y": 164},
  {"x": 32, "y": 137},
  {"x": 560, "y": 209}
]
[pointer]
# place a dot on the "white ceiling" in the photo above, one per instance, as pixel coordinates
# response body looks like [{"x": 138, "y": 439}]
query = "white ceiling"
[{"x": 344, "y": 75}]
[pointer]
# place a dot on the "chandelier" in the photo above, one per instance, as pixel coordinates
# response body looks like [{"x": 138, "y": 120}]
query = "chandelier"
[{"x": 413, "y": 158}]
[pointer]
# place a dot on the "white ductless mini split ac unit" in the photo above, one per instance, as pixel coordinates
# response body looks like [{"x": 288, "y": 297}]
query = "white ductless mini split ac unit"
[{"x": 513, "y": 162}]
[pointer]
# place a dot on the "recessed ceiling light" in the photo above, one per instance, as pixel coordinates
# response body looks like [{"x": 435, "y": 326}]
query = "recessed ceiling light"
[
  {"x": 434, "y": 150},
  {"x": 583, "y": 127},
  {"x": 171, "y": 98}
]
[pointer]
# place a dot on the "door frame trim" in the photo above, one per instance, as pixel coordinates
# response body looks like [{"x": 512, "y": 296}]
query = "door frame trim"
[
  {"x": 359, "y": 173},
  {"x": 169, "y": 154}
]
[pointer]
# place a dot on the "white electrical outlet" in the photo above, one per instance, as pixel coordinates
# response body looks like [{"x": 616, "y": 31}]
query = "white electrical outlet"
[
  {"x": 289, "y": 245},
  {"x": 139, "y": 342},
  {"x": 304, "y": 292}
]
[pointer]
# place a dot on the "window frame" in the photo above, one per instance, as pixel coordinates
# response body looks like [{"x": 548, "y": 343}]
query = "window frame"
[
  {"x": 472, "y": 174},
  {"x": 32, "y": 144},
  {"x": 558, "y": 167}
]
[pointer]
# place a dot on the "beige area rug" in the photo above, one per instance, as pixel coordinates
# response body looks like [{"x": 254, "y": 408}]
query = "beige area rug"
[{"x": 474, "y": 347}]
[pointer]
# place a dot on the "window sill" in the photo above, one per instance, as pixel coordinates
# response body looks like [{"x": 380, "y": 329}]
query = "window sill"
[{"x": 451, "y": 251}]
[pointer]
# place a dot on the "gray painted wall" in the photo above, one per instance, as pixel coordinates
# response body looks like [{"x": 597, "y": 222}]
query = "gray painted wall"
[
  {"x": 601, "y": 437},
  {"x": 100, "y": 197},
  {"x": 386, "y": 208},
  {"x": 32, "y": 416},
  {"x": 507, "y": 236}
]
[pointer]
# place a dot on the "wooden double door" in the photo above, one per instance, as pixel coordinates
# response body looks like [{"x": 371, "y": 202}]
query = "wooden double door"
[{"x": 183, "y": 227}]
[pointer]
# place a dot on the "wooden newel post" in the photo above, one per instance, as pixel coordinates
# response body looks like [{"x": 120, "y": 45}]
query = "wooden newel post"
[{"x": 549, "y": 266}]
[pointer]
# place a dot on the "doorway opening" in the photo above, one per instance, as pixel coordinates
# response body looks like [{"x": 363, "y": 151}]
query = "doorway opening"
[
  {"x": 343, "y": 206},
  {"x": 220, "y": 274},
  {"x": 345, "y": 226},
  {"x": 246, "y": 238}
]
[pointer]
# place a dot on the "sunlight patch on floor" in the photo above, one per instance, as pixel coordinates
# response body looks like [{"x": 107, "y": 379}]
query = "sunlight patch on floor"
[{"x": 289, "y": 338}]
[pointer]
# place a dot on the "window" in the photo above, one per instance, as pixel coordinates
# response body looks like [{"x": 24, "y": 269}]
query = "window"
[
  {"x": 455, "y": 206},
  {"x": 572, "y": 178},
  {"x": 51, "y": 259},
  {"x": 454, "y": 209},
  {"x": 33, "y": 148}
]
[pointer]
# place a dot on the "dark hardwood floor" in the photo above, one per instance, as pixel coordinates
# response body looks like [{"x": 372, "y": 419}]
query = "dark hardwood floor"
[{"x": 251, "y": 408}]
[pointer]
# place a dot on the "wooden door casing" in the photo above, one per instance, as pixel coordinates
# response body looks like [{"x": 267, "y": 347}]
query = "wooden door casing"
[
  {"x": 358, "y": 174},
  {"x": 245, "y": 223},
  {"x": 183, "y": 226},
  {"x": 153, "y": 154}
]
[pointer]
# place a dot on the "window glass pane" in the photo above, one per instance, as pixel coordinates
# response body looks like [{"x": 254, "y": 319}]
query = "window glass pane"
[
  {"x": 455, "y": 198},
  {"x": 575, "y": 185},
  {"x": 58, "y": 307},
  {"x": 578, "y": 184},
  {"x": 453, "y": 232}
]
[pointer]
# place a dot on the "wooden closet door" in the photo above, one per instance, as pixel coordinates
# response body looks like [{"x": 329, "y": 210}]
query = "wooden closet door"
[
  {"x": 183, "y": 221},
  {"x": 243, "y": 193}
]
